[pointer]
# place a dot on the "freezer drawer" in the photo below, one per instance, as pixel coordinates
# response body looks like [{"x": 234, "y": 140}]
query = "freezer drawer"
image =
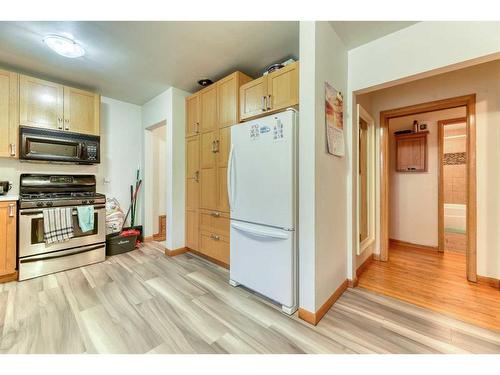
[{"x": 263, "y": 259}]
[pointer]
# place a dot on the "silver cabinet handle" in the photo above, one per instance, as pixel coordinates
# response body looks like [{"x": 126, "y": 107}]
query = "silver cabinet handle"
[
  {"x": 264, "y": 105},
  {"x": 268, "y": 102},
  {"x": 217, "y": 145},
  {"x": 59, "y": 121},
  {"x": 213, "y": 147},
  {"x": 66, "y": 121},
  {"x": 12, "y": 149},
  {"x": 197, "y": 176},
  {"x": 197, "y": 127},
  {"x": 215, "y": 214},
  {"x": 215, "y": 237},
  {"x": 11, "y": 209}
]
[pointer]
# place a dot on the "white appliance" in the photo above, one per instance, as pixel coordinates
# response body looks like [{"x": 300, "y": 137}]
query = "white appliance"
[{"x": 261, "y": 180}]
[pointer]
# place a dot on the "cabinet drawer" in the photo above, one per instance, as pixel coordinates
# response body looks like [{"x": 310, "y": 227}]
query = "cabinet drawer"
[
  {"x": 215, "y": 246},
  {"x": 214, "y": 221}
]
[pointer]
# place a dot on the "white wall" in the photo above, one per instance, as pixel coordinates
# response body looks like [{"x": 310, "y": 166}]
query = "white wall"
[
  {"x": 413, "y": 201},
  {"x": 159, "y": 150},
  {"x": 422, "y": 50},
  {"x": 322, "y": 177},
  {"x": 484, "y": 81},
  {"x": 121, "y": 153},
  {"x": 169, "y": 106}
]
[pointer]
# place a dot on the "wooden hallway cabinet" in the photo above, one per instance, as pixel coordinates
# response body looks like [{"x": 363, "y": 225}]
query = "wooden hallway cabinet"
[{"x": 217, "y": 108}]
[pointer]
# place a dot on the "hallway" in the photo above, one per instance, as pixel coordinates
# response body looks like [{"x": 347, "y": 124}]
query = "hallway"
[{"x": 435, "y": 281}]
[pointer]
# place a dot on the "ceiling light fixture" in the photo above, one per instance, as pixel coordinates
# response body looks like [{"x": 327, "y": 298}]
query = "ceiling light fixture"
[{"x": 64, "y": 46}]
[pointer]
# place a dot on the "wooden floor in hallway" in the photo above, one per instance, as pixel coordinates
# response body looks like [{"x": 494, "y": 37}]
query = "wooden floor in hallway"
[
  {"x": 145, "y": 302},
  {"x": 436, "y": 281}
]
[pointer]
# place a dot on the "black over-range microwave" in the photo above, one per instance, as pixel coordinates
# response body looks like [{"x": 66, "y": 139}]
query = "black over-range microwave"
[{"x": 58, "y": 146}]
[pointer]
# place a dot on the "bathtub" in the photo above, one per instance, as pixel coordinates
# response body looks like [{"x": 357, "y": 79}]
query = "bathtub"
[{"x": 455, "y": 217}]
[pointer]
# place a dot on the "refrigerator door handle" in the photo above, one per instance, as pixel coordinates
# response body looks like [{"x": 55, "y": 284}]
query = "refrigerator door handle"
[
  {"x": 266, "y": 233},
  {"x": 229, "y": 176}
]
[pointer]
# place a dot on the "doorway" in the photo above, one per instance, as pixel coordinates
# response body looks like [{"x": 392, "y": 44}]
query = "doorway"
[
  {"x": 453, "y": 184},
  {"x": 156, "y": 184},
  {"x": 468, "y": 102}
]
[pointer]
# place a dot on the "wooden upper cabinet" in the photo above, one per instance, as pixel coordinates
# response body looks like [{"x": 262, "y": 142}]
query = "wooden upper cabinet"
[
  {"x": 252, "y": 98},
  {"x": 8, "y": 215},
  {"x": 41, "y": 103},
  {"x": 81, "y": 111},
  {"x": 270, "y": 93},
  {"x": 49, "y": 105},
  {"x": 192, "y": 115},
  {"x": 208, "y": 109},
  {"x": 411, "y": 152},
  {"x": 283, "y": 87},
  {"x": 9, "y": 113},
  {"x": 227, "y": 98}
]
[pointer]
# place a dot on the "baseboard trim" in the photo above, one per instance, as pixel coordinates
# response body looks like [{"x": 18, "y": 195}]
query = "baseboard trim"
[
  {"x": 209, "y": 258},
  {"x": 9, "y": 277},
  {"x": 376, "y": 257},
  {"x": 147, "y": 239},
  {"x": 173, "y": 253},
  {"x": 364, "y": 266},
  {"x": 412, "y": 245},
  {"x": 491, "y": 281},
  {"x": 314, "y": 318}
]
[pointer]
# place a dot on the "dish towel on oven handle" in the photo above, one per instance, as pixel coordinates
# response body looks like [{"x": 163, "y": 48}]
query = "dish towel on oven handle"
[
  {"x": 85, "y": 218},
  {"x": 58, "y": 224}
]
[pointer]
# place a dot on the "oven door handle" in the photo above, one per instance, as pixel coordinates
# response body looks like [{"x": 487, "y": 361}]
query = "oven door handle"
[
  {"x": 40, "y": 212},
  {"x": 66, "y": 253}
]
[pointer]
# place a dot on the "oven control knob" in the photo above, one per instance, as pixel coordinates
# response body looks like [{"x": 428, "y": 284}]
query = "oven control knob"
[
  {"x": 91, "y": 201},
  {"x": 49, "y": 204},
  {"x": 39, "y": 204},
  {"x": 84, "y": 201}
]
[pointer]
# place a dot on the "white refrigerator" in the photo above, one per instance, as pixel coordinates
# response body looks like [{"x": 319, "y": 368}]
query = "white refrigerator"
[{"x": 261, "y": 179}]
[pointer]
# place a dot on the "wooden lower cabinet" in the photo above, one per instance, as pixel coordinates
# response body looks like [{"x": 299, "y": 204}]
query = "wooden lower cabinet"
[
  {"x": 8, "y": 215},
  {"x": 214, "y": 235},
  {"x": 192, "y": 229},
  {"x": 215, "y": 246}
]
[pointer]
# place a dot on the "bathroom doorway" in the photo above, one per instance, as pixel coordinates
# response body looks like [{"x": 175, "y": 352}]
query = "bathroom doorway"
[{"x": 452, "y": 221}]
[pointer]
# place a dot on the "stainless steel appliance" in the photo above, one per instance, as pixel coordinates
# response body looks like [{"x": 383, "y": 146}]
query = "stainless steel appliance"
[
  {"x": 38, "y": 192},
  {"x": 58, "y": 146}
]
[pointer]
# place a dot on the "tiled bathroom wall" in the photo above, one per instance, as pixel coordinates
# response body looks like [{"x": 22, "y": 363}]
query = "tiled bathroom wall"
[{"x": 454, "y": 168}]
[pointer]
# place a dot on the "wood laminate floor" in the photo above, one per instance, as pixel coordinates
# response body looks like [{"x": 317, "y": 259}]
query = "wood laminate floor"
[
  {"x": 436, "y": 281},
  {"x": 145, "y": 302}
]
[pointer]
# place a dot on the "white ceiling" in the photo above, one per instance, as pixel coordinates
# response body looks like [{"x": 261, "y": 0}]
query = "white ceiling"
[
  {"x": 356, "y": 33},
  {"x": 135, "y": 61}
]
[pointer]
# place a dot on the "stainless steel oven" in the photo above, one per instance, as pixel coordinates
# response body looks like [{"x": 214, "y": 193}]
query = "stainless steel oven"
[
  {"x": 32, "y": 242},
  {"x": 44, "y": 192},
  {"x": 58, "y": 146}
]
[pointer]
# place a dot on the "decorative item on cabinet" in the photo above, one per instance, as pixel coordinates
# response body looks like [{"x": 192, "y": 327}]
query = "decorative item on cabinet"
[
  {"x": 270, "y": 93},
  {"x": 411, "y": 152}
]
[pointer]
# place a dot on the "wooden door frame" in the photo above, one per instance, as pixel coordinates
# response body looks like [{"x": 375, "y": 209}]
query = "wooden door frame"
[
  {"x": 468, "y": 101},
  {"x": 441, "y": 124}
]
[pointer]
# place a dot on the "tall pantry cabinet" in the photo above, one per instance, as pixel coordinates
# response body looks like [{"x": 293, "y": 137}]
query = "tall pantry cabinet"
[{"x": 209, "y": 115}]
